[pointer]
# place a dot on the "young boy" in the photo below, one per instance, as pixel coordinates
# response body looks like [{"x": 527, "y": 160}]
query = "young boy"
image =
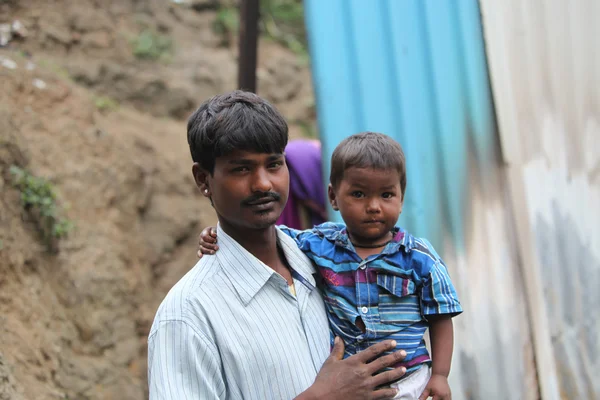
[{"x": 378, "y": 281}]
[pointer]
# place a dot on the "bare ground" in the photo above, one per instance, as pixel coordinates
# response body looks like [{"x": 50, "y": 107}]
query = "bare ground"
[{"x": 73, "y": 324}]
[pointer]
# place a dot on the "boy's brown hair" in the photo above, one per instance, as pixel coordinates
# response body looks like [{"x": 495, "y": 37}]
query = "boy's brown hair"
[{"x": 367, "y": 150}]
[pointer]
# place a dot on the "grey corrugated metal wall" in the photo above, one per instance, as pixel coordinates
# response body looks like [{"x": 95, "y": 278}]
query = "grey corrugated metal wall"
[
  {"x": 544, "y": 59},
  {"x": 417, "y": 71}
]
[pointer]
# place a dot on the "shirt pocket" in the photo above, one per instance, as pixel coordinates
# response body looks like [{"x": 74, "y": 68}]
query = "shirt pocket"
[{"x": 398, "y": 300}]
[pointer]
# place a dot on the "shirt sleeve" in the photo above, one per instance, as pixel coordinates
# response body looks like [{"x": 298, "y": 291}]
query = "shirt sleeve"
[
  {"x": 295, "y": 234},
  {"x": 438, "y": 295},
  {"x": 183, "y": 364}
]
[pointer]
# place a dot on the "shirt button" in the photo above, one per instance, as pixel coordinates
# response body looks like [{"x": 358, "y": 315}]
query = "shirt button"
[
  {"x": 363, "y": 266},
  {"x": 364, "y": 310}
]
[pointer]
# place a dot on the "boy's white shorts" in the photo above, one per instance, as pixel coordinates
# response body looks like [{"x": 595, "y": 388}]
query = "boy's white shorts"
[{"x": 414, "y": 385}]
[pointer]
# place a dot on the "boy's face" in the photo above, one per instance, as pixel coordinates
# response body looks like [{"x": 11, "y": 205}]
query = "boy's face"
[
  {"x": 370, "y": 201},
  {"x": 248, "y": 190}
]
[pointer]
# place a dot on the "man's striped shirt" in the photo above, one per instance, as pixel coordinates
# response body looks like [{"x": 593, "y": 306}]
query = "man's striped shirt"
[
  {"x": 392, "y": 292},
  {"x": 231, "y": 329}
]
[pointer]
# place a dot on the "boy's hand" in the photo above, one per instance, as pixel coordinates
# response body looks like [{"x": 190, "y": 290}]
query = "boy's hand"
[
  {"x": 207, "y": 241},
  {"x": 438, "y": 388}
]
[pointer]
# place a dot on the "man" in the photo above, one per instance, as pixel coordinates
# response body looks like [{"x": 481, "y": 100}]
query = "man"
[{"x": 248, "y": 322}]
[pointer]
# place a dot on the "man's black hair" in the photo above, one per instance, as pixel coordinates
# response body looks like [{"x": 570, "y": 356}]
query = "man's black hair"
[{"x": 235, "y": 121}]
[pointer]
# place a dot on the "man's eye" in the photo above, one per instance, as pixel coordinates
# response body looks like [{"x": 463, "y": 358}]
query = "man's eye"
[
  {"x": 276, "y": 164},
  {"x": 358, "y": 194},
  {"x": 241, "y": 169}
]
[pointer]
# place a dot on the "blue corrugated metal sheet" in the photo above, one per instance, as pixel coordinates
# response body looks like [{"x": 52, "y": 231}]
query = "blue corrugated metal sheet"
[{"x": 416, "y": 70}]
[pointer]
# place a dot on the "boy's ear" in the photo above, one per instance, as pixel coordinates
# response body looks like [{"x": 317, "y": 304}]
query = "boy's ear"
[
  {"x": 201, "y": 178},
  {"x": 332, "y": 200}
]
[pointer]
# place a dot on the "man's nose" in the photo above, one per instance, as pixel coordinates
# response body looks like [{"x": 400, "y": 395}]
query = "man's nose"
[{"x": 262, "y": 181}]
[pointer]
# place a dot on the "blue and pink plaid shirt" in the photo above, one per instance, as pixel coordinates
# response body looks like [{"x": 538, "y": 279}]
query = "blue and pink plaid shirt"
[{"x": 392, "y": 292}]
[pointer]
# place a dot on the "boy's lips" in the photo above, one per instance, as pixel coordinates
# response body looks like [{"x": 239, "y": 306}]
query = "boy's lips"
[{"x": 373, "y": 221}]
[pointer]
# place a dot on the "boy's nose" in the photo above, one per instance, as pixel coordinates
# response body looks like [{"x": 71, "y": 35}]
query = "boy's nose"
[{"x": 373, "y": 207}]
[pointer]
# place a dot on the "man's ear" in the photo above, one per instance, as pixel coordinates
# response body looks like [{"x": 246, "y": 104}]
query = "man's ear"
[
  {"x": 201, "y": 177},
  {"x": 332, "y": 200}
]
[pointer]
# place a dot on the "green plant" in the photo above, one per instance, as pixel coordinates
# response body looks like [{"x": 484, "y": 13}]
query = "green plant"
[
  {"x": 280, "y": 20},
  {"x": 151, "y": 45},
  {"x": 283, "y": 21},
  {"x": 56, "y": 68},
  {"x": 227, "y": 22},
  {"x": 309, "y": 130},
  {"x": 106, "y": 104},
  {"x": 39, "y": 198}
]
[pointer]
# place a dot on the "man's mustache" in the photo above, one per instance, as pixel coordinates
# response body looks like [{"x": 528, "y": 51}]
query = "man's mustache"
[{"x": 256, "y": 197}]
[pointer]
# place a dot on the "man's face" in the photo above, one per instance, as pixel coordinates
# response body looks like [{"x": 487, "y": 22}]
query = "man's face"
[{"x": 248, "y": 190}]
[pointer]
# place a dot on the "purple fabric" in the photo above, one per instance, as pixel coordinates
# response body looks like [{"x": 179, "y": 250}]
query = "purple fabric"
[{"x": 303, "y": 159}]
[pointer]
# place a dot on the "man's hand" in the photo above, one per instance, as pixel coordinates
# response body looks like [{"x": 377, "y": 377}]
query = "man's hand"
[
  {"x": 438, "y": 388},
  {"x": 207, "y": 241},
  {"x": 356, "y": 377}
]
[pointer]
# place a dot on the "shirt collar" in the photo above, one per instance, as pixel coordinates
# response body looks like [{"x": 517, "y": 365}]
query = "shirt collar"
[
  {"x": 297, "y": 260},
  {"x": 248, "y": 274},
  {"x": 338, "y": 235}
]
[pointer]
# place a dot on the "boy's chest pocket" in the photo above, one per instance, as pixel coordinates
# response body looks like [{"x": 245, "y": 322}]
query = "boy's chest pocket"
[{"x": 398, "y": 300}]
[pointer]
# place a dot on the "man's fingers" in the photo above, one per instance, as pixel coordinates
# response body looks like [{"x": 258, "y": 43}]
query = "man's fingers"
[
  {"x": 375, "y": 350},
  {"x": 389, "y": 360},
  {"x": 213, "y": 232},
  {"x": 199, "y": 253},
  {"x": 338, "y": 349},
  {"x": 389, "y": 393},
  {"x": 387, "y": 377}
]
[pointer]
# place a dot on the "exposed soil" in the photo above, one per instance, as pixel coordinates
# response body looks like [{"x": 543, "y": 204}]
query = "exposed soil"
[{"x": 74, "y": 323}]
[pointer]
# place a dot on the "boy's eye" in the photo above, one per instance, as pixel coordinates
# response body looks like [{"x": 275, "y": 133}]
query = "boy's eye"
[
  {"x": 387, "y": 195},
  {"x": 275, "y": 165},
  {"x": 358, "y": 194}
]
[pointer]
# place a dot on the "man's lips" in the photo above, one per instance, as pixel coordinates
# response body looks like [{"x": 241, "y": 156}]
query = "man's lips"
[
  {"x": 259, "y": 202},
  {"x": 263, "y": 204}
]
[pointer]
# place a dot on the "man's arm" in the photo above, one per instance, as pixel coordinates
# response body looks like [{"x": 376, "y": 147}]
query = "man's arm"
[{"x": 183, "y": 364}]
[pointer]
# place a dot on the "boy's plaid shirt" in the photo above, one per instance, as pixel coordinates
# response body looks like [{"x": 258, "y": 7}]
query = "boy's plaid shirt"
[{"x": 392, "y": 292}]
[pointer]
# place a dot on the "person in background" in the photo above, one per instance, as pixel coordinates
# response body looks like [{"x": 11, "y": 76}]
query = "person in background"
[{"x": 306, "y": 204}]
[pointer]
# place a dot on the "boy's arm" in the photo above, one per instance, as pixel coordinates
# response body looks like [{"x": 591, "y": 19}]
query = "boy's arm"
[
  {"x": 439, "y": 303},
  {"x": 207, "y": 240},
  {"x": 441, "y": 333}
]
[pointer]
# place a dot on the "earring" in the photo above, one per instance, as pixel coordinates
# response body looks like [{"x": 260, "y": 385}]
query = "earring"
[{"x": 205, "y": 191}]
